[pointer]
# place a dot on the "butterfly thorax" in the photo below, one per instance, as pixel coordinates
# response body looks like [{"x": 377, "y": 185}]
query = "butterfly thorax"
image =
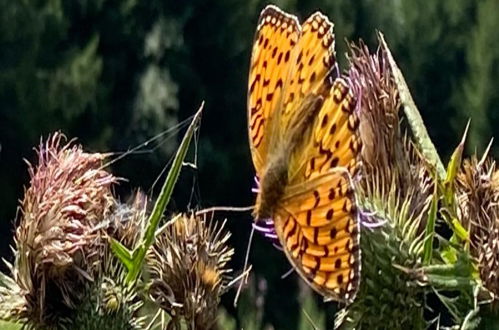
[{"x": 272, "y": 184}]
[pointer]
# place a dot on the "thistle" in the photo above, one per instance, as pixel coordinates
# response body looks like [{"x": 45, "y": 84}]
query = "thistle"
[
  {"x": 56, "y": 247},
  {"x": 188, "y": 271},
  {"x": 110, "y": 303},
  {"x": 394, "y": 195},
  {"x": 128, "y": 221},
  {"x": 478, "y": 196}
]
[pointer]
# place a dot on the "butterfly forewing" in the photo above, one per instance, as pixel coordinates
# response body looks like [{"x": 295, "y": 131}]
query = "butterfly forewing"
[
  {"x": 335, "y": 142},
  {"x": 276, "y": 36},
  {"x": 312, "y": 70}
]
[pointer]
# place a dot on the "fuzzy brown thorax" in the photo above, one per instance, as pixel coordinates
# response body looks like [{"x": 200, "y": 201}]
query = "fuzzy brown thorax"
[{"x": 272, "y": 184}]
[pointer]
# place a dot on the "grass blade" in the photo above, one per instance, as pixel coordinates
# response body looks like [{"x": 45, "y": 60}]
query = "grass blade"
[{"x": 134, "y": 260}]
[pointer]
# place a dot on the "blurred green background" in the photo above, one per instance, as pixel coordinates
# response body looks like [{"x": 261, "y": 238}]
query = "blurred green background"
[{"x": 114, "y": 73}]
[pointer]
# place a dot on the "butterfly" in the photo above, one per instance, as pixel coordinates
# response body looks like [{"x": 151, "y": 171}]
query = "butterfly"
[{"x": 305, "y": 147}]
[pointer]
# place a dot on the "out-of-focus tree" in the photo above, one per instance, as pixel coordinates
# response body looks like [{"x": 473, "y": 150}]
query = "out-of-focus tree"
[
  {"x": 47, "y": 81},
  {"x": 479, "y": 93},
  {"x": 94, "y": 69}
]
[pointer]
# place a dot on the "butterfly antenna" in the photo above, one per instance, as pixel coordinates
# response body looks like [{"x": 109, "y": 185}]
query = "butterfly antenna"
[
  {"x": 244, "y": 279},
  {"x": 286, "y": 274},
  {"x": 225, "y": 209}
]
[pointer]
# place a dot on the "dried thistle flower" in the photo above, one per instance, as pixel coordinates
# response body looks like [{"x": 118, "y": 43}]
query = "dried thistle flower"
[
  {"x": 393, "y": 168},
  {"x": 56, "y": 245},
  {"x": 391, "y": 163},
  {"x": 388, "y": 155},
  {"x": 188, "y": 270},
  {"x": 478, "y": 195}
]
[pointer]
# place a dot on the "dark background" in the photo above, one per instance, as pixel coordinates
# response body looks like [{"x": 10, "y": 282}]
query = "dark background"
[{"x": 115, "y": 73}]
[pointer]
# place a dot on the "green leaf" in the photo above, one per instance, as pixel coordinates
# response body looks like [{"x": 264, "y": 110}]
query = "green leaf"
[
  {"x": 452, "y": 168},
  {"x": 430, "y": 228},
  {"x": 5, "y": 325},
  {"x": 413, "y": 116},
  {"x": 472, "y": 320},
  {"x": 122, "y": 253},
  {"x": 311, "y": 316},
  {"x": 162, "y": 201},
  {"x": 462, "y": 274},
  {"x": 459, "y": 230}
]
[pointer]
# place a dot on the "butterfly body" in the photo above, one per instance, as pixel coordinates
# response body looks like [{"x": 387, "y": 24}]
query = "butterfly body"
[
  {"x": 276, "y": 174},
  {"x": 304, "y": 141}
]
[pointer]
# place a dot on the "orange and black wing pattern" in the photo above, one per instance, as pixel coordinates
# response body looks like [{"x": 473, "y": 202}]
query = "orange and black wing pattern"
[
  {"x": 273, "y": 49},
  {"x": 317, "y": 220}
]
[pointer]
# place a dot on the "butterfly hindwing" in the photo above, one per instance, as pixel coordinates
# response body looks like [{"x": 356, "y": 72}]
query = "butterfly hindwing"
[
  {"x": 317, "y": 218},
  {"x": 319, "y": 228}
]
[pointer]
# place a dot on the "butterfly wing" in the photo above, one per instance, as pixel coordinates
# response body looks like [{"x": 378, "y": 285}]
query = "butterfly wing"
[
  {"x": 333, "y": 141},
  {"x": 276, "y": 36},
  {"x": 292, "y": 67},
  {"x": 312, "y": 73},
  {"x": 317, "y": 219}
]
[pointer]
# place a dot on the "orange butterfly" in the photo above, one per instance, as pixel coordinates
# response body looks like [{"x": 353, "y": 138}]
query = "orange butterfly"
[{"x": 305, "y": 147}]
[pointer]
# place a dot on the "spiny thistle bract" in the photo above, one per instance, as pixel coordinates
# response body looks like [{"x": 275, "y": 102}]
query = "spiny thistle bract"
[
  {"x": 110, "y": 303},
  {"x": 477, "y": 190},
  {"x": 402, "y": 195},
  {"x": 67, "y": 273},
  {"x": 188, "y": 270}
]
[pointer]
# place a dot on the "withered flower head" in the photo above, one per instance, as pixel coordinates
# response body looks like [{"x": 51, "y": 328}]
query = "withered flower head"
[
  {"x": 188, "y": 269},
  {"x": 56, "y": 244},
  {"x": 110, "y": 302},
  {"x": 478, "y": 196},
  {"x": 372, "y": 81},
  {"x": 391, "y": 162}
]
